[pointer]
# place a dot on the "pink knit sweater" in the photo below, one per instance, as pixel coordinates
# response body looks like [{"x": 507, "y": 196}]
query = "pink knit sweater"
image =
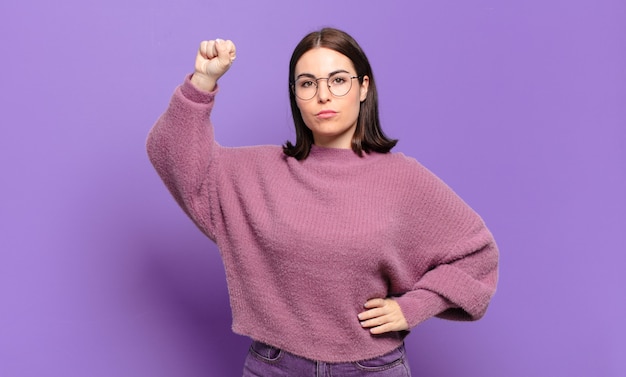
[{"x": 306, "y": 243}]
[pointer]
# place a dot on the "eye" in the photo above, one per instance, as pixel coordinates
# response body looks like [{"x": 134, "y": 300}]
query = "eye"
[
  {"x": 306, "y": 83},
  {"x": 338, "y": 80}
]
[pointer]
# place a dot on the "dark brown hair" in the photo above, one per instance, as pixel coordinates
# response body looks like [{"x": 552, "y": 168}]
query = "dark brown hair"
[{"x": 368, "y": 135}]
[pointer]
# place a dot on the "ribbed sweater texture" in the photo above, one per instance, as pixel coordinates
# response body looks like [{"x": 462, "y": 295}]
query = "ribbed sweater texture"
[{"x": 306, "y": 243}]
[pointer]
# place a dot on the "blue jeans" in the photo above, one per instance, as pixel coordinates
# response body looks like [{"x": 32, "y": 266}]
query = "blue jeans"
[{"x": 266, "y": 361}]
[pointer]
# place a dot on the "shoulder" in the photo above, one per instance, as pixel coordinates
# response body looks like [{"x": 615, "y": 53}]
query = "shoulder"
[
  {"x": 421, "y": 186},
  {"x": 409, "y": 170},
  {"x": 242, "y": 160}
]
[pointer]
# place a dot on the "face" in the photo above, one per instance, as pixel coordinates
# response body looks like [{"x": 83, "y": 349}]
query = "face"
[{"x": 332, "y": 119}]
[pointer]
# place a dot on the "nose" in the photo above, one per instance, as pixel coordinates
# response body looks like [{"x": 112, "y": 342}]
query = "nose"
[{"x": 323, "y": 91}]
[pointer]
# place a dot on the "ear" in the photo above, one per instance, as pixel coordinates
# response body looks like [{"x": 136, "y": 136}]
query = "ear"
[{"x": 364, "y": 87}]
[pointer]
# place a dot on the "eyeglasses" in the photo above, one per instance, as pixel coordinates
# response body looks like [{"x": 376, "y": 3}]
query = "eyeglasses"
[{"x": 339, "y": 85}]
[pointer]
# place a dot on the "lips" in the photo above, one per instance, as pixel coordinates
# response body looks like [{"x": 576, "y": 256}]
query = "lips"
[{"x": 326, "y": 114}]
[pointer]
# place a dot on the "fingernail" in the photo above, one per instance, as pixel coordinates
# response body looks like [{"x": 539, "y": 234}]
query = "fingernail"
[{"x": 217, "y": 40}]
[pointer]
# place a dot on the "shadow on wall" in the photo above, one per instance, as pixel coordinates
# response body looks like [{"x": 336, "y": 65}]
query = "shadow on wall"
[{"x": 186, "y": 285}]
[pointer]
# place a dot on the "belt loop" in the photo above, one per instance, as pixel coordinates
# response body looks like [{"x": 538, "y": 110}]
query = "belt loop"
[{"x": 321, "y": 369}]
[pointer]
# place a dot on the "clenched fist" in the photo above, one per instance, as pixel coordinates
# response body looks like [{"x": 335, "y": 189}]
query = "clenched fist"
[{"x": 214, "y": 58}]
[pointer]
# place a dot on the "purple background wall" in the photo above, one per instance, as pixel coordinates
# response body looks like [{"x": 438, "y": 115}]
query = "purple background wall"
[{"x": 518, "y": 105}]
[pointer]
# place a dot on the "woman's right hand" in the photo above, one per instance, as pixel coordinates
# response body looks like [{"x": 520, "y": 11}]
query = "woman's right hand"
[{"x": 214, "y": 58}]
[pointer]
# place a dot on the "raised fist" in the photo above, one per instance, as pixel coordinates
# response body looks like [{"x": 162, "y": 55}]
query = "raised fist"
[{"x": 214, "y": 58}]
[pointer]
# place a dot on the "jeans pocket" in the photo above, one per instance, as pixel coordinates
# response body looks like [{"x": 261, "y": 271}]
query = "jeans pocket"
[
  {"x": 265, "y": 352},
  {"x": 384, "y": 362}
]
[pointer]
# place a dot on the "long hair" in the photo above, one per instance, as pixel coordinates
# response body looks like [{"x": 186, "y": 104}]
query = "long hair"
[{"x": 368, "y": 135}]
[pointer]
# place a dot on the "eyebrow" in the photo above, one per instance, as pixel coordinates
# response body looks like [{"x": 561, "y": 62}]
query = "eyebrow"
[{"x": 330, "y": 74}]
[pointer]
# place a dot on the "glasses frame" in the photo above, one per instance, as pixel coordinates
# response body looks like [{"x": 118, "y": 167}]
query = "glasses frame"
[{"x": 316, "y": 79}]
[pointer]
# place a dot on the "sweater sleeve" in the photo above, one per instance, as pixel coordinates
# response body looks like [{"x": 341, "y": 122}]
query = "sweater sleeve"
[
  {"x": 461, "y": 269},
  {"x": 182, "y": 149}
]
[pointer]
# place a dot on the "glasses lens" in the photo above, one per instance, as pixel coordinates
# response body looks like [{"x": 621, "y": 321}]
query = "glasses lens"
[
  {"x": 340, "y": 84},
  {"x": 305, "y": 88}
]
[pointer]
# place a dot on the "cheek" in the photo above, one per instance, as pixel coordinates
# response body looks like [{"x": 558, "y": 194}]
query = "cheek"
[
  {"x": 355, "y": 106},
  {"x": 305, "y": 113},
  {"x": 302, "y": 106}
]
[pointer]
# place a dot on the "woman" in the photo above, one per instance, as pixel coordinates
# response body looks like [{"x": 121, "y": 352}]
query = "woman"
[{"x": 334, "y": 248}]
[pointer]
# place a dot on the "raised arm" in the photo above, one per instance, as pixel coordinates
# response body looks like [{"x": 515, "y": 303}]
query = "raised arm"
[{"x": 181, "y": 145}]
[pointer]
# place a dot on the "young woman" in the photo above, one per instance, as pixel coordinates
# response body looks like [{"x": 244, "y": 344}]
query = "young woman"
[{"x": 334, "y": 247}]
